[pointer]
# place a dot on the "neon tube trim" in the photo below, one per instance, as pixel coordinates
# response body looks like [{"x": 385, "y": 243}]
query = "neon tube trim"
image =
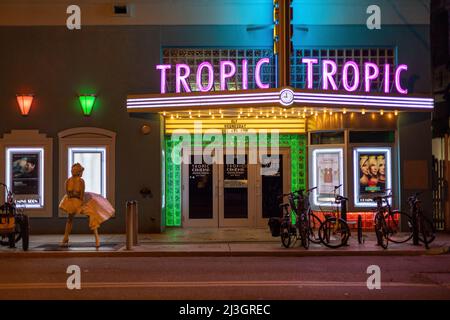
[
  {"x": 356, "y": 174},
  {"x": 341, "y": 172},
  {"x": 9, "y": 152}
]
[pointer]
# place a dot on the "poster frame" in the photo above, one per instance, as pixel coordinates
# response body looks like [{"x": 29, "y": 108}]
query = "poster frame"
[
  {"x": 389, "y": 177},
  {"x": 315, "y": 152},
  {"x": 10, "y": 151}
]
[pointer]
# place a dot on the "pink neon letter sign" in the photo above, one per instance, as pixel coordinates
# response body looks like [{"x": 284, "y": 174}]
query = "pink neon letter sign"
[
  {"x": 258, "y": 73},
  {"x": 210, "y": 84},
  {"x": 355, "y": 68},
  {"x": 163, "y": 68},
  {"x": 225, "y": 75},
  {"x": 402, "y": 67},
  {"x": 309, "y": 71},
  {"x": 368, "y": 76},
  {"x": 244, "y": 74},
  {"x": 181, "y": 79},
  {"x": 328, "y": 75}
]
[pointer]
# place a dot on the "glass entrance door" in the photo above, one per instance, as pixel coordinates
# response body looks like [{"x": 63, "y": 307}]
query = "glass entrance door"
[
  {"x": 273, "y": 179},
  {"x": 236, "y": 191},
  {"x": 199, "y": 194}
]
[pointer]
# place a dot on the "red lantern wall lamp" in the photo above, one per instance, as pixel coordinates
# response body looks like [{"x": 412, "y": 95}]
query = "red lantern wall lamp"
[{"x": 25, "y": 101}]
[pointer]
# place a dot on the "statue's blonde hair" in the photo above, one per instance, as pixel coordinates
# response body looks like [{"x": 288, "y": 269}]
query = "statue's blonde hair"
[{"x": 77, "y": 169}]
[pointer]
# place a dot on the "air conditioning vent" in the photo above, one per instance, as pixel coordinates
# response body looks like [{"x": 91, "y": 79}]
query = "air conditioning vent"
[{"x": 122, "y": 10}]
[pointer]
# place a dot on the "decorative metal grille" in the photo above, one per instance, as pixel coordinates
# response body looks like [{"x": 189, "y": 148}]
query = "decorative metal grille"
[
  {"x": 379, "y": 56},
  {"x": 194, "y": 56}
]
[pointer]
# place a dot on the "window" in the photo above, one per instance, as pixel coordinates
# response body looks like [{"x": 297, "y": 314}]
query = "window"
[
  {"x": 327, "y": 137},
  {"x": 93, "y": 161},
  {"x": 372, "y": 136},
  {"x": 94, "y": 149}
]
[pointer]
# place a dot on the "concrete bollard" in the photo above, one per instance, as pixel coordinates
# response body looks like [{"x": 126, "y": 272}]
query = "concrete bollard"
[
  {"x": 130, "y": 223},
  {"x": 135, "y": 224}
]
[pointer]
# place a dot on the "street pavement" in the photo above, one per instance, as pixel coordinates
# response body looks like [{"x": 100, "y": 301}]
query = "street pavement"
[
  {"x": 223, "y": 243},
  {"x": 227, "y": 278}
]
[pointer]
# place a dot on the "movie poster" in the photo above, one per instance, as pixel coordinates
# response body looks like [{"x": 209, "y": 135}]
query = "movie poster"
[
  {"x": 373, "y": 174},
  {"x": 328, "y": 174},
  {"x": 25, "y": 178}
]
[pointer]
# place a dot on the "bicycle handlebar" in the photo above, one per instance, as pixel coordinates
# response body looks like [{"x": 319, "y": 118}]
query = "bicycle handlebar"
[
  {"x": 298, "y": 192},
  {"x": 340, "y": 198},
  {"x": 381, "y": 198}
]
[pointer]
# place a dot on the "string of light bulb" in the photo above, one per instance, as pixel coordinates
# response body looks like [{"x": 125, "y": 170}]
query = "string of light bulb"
[{"x": 275, "y": 113}]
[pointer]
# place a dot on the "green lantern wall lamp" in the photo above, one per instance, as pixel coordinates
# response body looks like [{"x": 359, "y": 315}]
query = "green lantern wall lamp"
[{"x": 87, "y": 102}]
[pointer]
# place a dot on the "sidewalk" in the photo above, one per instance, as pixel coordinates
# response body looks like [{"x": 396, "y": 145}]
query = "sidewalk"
[{"x": 211, "y": 242}]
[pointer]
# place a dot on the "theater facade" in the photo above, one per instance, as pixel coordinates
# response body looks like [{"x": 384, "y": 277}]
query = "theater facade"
[{"x": 205, "y": 122}]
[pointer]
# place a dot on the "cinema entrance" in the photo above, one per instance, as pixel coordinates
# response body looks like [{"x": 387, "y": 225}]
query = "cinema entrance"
[{"x": 236, "y": 192}]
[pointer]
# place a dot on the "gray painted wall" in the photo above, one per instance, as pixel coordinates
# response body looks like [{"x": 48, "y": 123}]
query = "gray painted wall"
[{"x": 57, "y": 64}]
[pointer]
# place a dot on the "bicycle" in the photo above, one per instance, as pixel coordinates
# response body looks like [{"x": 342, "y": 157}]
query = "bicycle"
[
  {"x": 306, "y": 222},
  {"x": 288, "y": 233},
  {"x": 314, "y": 221},
  {"x": 423, "y": 228},
  {"x": 14, "y": 225},
  {"x": 334, "y": 231},
  {"x": 393, "y": 220},
  {"x": 380, "y": 225}
]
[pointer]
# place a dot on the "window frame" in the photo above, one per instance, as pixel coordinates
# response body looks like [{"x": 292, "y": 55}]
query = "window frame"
[
  {"x": 103, "y": 163},
  {"x": 86, "y": 138}
]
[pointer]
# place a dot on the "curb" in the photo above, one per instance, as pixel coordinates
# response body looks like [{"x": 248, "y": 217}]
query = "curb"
[{"x": 121, "y": 253}]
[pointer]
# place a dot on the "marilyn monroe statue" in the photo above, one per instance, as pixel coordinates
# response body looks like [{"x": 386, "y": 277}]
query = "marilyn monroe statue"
[{"x": 76, "y": 201}]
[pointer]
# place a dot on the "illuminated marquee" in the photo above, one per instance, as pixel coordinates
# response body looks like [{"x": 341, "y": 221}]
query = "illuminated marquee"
[
  {"x": 285, "y": 97},
  {"x": 370, "y": 72}
]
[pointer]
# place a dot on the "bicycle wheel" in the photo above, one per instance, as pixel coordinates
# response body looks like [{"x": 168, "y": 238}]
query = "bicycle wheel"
[
  {"x": 427, "y": 232},
  {"x": 393, "y": 222},
  {"x": 304, "y": 234},
  {"x": 334, "y": 233},
  {"x": 381, "y": 232},
  {"x": 286, "y": 235},
  {"x": 314, "y": 225},
  {"x": 360, "y": 233}
]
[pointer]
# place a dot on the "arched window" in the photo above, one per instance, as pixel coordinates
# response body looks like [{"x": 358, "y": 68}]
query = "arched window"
[{"x": 94, "y": 149}]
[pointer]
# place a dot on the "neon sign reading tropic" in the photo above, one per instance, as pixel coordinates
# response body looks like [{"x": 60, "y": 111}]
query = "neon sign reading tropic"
[
  {"x": 370, "y": 73},
  {"x": 329, "y": 69},
  {"x": 227, "y": 70}
]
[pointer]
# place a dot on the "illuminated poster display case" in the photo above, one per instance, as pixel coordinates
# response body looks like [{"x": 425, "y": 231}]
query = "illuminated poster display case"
[
  {"x": 25, "y": 176},
  {"x": 327, "y": 172},
  {"x": 26, "y": 168},
  {"x": 372, "y": 173}
]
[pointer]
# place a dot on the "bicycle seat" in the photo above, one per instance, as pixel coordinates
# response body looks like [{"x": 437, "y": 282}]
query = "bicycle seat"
[{"x": 340, "y": 198}]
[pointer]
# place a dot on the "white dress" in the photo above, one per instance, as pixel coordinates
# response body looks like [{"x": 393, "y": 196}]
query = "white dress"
[{"x": 97, "y": 208}]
